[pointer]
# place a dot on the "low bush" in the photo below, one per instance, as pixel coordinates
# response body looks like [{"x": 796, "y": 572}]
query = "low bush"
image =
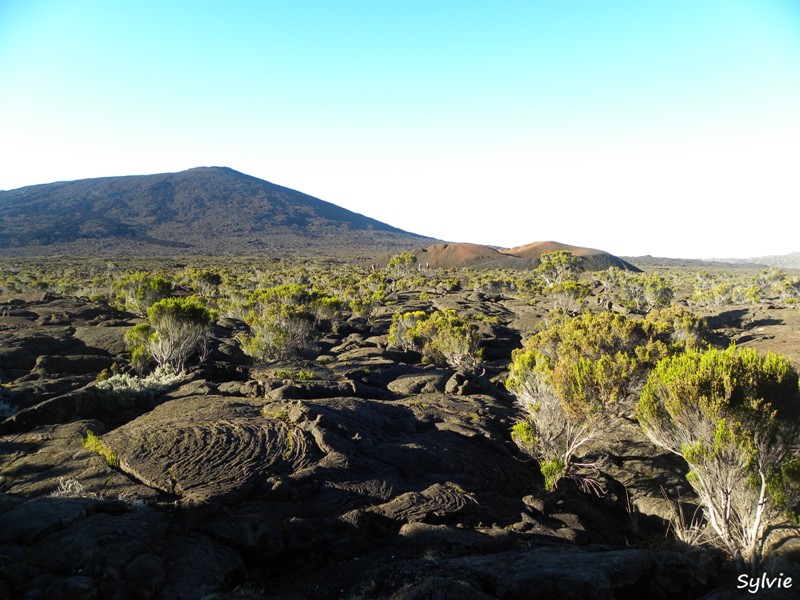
[
  {"x": 442, "y": 337},
  {"x": 732, "y": 416},
  {"x": 176, "y": 329},
  {"x": 569, "y": 377},
  {"x": 557, "y": 267},
  {"x": 128, "y": 387},
  {"x": 137, "y": 292},
  {"x": 280, "y": 333}
]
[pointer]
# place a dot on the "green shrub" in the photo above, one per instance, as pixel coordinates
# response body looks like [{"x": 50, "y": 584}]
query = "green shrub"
[
  {"x": 108, "y": 372},
  {"x": 442, "y": 337},
  {"x": 365, "y": 296},
  {"x": 402, "y": 263},
  {"x": 557, "y": 267},
  {"x": 292, "y": 294},
  {"x": 678, "y": 327},
  {"x": 449, "y": 285},
  {"x": 523, "y": 433},
  {"x": 642, "y": 293},
  {"x": 732, "y": 416},
  {"x": 325, "y": 308},
  {"x": 138, "y": 291},
  {"x": 553, "y": 471},
  {"x": 595, "y": 357},
  {"x": 205, "y": 282},
  {"x": 403, "y": 333},
  {"x": 789, "y": 290},
  {"x": 285, "y": 320},
  {"x": 567, "y": 296},
  {"x": 176, "y": 329},
  {"x": 568, "y": 377},
  {"x": 366, "y": 304},
  {"x": 717, "y": 289},
  {"x": 279, "y": 333}
]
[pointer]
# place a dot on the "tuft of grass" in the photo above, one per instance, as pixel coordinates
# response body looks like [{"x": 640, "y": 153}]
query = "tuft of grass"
[
  {"x": 280, "y": 415},
  {"x": 71, "y": 488},
  {"x": 94, "y": 444},
  {"x": 491, "y": 320},
  {"x": 295, "y": 375}
]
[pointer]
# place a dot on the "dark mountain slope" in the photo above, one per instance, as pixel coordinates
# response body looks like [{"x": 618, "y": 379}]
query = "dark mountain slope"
[{"x": 207, "y": 210}]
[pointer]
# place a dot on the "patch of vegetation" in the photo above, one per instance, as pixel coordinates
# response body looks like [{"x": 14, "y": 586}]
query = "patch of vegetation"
[
  {"x": 442, "y": 337},
  {"x": 177, "y": 328},
  {"x": 570, "y": 376},
  {"x": 643, "y": 292},
  {"x": 71, "y": 488},
  {"x": 286, "y": 320},
  {"x": 300, "y": 375},
  {"x": 279, "y": 333},
  {"x": 138, "y": 291},
  {"x": 129, "y": 387},
  {"x": 557, "y": 267},
  {"x": 94, "y": 444},
  {"x": 488, "y": 319},
  {"x": 402, "y": 263},
  {"x": 279, "y": 414},
  {"x": 581, "y": 370},
  {"x": 731, "y": 415}
]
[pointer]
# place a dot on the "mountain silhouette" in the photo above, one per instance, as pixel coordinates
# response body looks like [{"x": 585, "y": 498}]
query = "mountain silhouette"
[{"x": 202, "y": 211}]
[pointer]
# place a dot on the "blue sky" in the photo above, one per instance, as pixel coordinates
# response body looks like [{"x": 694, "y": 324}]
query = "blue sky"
[{"x": 668, "y": 127}]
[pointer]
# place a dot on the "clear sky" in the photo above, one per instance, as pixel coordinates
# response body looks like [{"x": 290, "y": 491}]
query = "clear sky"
[{"x": 667, "y": 127}]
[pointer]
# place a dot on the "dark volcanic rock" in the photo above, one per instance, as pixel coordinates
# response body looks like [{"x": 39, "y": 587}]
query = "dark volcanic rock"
[
  {"x": 423, "y": 383},
  {"x": 78, "y": 548},
  {"x": 47, "y": 365},
  {"x": 82, "y": 403},
  {"x": 312, "y": 389},
  {"x": 197, "y": 566},
  {"x": 564, "y": 574},
  {"x": 208, "y": 447}
]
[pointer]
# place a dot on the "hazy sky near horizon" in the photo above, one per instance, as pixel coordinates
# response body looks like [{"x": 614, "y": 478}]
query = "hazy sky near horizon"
[{"x": 668, "y": 127}]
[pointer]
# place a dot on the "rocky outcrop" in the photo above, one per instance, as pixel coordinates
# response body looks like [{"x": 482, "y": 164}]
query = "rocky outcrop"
[{"x": 208, "y": 447}]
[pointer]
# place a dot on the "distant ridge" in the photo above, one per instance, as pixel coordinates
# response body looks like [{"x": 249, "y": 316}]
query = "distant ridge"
[
  {"x": 450, "y": 256},
  {"x": 660, "y": 262},
  {"x": 202, "y": 211},
  {"x": 782, "y": 261}
]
